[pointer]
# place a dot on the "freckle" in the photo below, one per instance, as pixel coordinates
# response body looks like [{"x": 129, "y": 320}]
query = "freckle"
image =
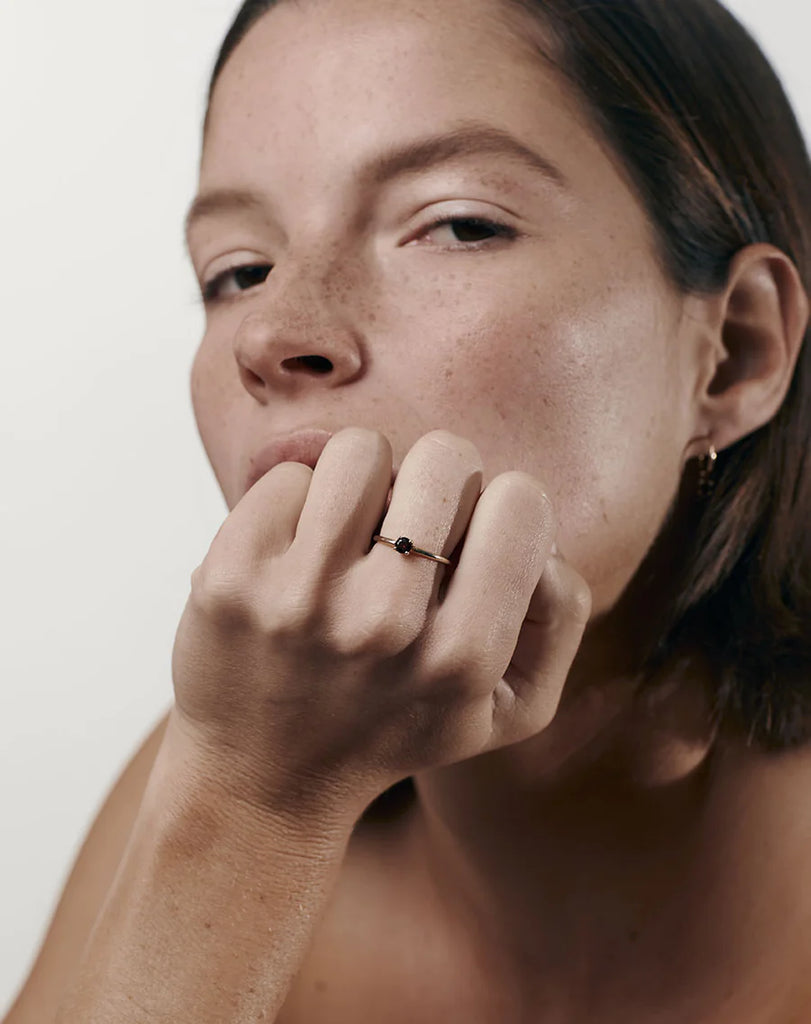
[{"x": 208, "y": 924}]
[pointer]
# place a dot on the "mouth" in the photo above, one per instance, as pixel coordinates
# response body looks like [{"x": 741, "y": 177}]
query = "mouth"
[{"x": 304, "y": 446}]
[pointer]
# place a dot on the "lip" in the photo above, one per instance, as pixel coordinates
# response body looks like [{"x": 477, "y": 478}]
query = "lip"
[{"x": 303, "y": 446}]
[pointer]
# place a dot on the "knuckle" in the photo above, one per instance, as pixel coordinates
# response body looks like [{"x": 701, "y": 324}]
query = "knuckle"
[
  {"x": 353, "y": 642},
  {"x": 579, "y": 602},
  {"x": 196, "y": 581},
  {"x": 544, "y": 714},
  {"x": 291, "y": 612},
  {"x": 381, "y": 633},
  {"x": 460, "y": 669},
  {"x": 220, "y": 591}
]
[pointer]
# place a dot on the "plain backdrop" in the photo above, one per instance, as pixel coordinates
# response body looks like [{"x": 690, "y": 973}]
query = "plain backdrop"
[{"x": 107, "y": 500}]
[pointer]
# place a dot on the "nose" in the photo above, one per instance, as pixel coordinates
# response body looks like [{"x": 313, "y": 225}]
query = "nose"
[{"x": 300, "y": 339}]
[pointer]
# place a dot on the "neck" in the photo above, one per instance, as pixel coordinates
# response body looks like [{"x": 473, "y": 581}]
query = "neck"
[
  {"x": 613, "y": 768},
  {"x": 615, "y": 845}
]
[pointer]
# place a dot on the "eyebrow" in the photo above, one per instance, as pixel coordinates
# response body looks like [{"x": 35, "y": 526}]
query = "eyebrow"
[{"x": 472, "y": 139}]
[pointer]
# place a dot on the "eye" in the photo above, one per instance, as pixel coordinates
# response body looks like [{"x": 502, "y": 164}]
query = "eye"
[
  {"x": 246, "y": 276},
  {"x": 470, "y": 232}
]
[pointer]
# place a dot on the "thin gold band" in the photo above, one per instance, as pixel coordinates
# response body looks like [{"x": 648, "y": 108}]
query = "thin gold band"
[{"x": 406, "y": 547}]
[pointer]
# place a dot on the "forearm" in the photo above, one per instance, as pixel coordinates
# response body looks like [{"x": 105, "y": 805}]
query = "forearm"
[{"x": 211, "y": 911}]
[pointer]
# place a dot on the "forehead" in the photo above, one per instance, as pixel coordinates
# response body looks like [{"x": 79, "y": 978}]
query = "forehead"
[
  {"x": 441, "y": 38},
  {"x": 318, "y": 89},
  {"x": 354, "y": 74}
]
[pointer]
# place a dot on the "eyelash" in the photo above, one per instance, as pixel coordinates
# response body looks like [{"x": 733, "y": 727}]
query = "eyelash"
[{"x": 211, "y": 290}]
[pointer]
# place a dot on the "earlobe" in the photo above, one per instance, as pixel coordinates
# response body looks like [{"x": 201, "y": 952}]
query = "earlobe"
[{"x": 762, "y": 325}]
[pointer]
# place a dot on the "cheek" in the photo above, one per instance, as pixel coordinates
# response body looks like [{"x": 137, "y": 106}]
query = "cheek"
[
  {"x": 579, "y": 388},
  {"x": 212, "y": 386}
]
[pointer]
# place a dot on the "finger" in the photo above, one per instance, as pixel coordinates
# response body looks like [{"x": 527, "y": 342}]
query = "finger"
[
  {"x": 346, "y": 498},
  {"x": 263, "y": 523},
  {"x": 549, "y": 639},
  {"x": 433, "y": 497},
  {"x": 508, "y": 541}
]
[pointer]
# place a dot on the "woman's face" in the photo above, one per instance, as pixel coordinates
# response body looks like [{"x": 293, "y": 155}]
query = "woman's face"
[{"x": 553, "y": 342}]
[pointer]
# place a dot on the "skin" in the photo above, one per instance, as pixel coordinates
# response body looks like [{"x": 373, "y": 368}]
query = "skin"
[{"x": 565, "y": 353}]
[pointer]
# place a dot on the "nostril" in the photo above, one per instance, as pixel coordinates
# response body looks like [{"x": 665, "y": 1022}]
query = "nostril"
[{"x": 318, "y": 364}]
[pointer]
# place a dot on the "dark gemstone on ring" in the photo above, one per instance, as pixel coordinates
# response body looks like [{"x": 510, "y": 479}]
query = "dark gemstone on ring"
[{"x": 404, "y": 546}]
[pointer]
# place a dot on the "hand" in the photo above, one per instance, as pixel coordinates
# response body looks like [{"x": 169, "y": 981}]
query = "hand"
[{"x": 312, "y": 666}]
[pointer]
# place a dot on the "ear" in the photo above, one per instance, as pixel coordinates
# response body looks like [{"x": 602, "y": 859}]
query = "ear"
[{"x": 757, "y": 325}]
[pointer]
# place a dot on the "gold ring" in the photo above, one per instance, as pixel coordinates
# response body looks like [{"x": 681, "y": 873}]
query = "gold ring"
[{"x": 406, "y": 547}]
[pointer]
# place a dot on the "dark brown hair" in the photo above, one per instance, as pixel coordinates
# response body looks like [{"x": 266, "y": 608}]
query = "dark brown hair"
[{"x": 699, "y": 119}]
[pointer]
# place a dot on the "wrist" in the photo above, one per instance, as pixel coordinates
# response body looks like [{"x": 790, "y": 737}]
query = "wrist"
[{"x": 190, "y": 777}]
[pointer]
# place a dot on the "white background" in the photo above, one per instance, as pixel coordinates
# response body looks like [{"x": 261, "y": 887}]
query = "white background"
[{"x": 107, "y": 501}]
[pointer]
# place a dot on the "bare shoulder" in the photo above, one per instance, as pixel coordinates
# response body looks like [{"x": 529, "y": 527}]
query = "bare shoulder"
[
  {"x": 87, "y": 885},
  {"x": 384, "y": 948}
]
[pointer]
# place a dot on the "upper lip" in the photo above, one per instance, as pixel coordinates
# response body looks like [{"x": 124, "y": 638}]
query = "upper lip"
[{"x": 303, "y": 446}]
